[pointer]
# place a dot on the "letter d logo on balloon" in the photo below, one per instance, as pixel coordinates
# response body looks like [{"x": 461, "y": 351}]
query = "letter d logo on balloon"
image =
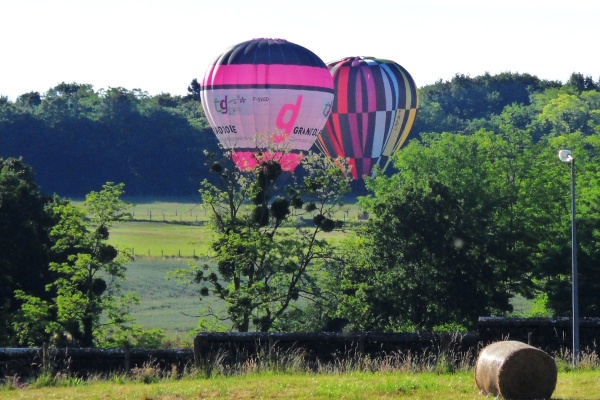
[{"x": 286, "y": 119}]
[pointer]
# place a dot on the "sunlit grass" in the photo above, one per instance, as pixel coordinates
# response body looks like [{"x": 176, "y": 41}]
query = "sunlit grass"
[
  {"x": 164, "y": 304},
  {"x": 160, "y": 247},
  {"x": 273, "y": 373},
  {"x": 351, "y": 385},
  {"x": 157, "y": 239},
  {"x": 168, "y": 211},
  {"x": 181, "y": 230}
]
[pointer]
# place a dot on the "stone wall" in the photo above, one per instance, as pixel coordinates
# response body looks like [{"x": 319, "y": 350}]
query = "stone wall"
[
  {"x": 85, "y": 362},
  {"x": 550, "y": 335},
  {"x": 324, "y": 347}
]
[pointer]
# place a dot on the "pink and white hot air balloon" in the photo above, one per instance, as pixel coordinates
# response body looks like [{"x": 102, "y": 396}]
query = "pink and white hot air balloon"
[{"x": 267, "y": 99}]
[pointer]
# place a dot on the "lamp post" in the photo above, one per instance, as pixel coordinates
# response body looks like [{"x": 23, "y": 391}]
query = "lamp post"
[{"x": 565, "y": 156}]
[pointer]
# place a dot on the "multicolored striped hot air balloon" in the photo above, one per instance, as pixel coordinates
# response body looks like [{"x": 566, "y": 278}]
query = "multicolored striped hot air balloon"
[
  {"x": 373, "y": 111},
  {"x": 267, "y": 99}
]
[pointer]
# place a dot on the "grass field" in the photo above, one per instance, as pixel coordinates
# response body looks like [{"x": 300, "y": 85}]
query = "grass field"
[
  {"x": 162, "y": 246},
  {"x": 189, "y": 211},
  {"x": 584, "y": 385},
  {"x": 168, "y": 210},
  {"x": 165, "y": 236},
  {"x": 160, "y": 239},
  {"x": 164, "y": 304},
  {"x": 171, "y": 229}
]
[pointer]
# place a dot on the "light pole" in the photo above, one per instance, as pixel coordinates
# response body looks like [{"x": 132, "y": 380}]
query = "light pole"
[{"x": 565, "y": 156}]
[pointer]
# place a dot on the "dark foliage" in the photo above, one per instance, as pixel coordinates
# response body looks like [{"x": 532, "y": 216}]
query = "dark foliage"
[
  {"x": 23, "y": 220},
  {"x": 451, "y": 105},
  {"x": 77, "y": 139}
]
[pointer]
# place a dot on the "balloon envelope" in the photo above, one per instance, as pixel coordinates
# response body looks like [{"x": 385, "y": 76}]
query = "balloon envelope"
[
  {"x": 373, "y": 111},
  {"x": 267, "y": 94}
]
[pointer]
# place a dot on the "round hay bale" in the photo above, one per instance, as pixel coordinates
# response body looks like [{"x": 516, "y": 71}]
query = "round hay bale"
[{"x": 515, "y": 370}]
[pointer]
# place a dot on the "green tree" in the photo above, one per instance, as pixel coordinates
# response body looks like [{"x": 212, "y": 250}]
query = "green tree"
[
  {"x": 453, "y": 105},
  {"x": 565, "y": 114},
  {"x": 194, "y": 90},
  {"x": 268, "y": 255},
  {"x": 87, "y": 282},
  {"x": 554, "y": 255},
  {"x": 582, "y": 83},
  {"x": 31, "y": 99},
  {"x": 77, "y": 139},
  {"x": 24, "y": 240},
  {"x": 68, "y": 101},
  {"x": 424, "y": 266},
  {"x": 447, "y": 241}
]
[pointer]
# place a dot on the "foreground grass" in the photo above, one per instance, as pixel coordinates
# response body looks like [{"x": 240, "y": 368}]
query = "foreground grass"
[{"x": 359, "y": 385}]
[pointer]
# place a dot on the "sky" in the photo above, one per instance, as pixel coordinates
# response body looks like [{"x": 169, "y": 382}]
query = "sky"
[{"x": 161, "y": 46}]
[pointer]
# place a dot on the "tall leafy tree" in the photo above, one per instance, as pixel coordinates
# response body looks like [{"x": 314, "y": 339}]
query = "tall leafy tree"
[
  {"x": 565, "y": 114},
  {"x": 452, "y": 105},
  {"x": 87, "y": 281},
  {"x": 446, "y": 230},
  {"x": 194, "y": 90},
  {"x": 267, "y": 258},
  {"x": 582, "y": 83},
  {"x": 31, "y": 99},
  {"x": 554, "y": 257},
  {"x": 425, "y": 265},
  {"x": 24, "y": 240}
]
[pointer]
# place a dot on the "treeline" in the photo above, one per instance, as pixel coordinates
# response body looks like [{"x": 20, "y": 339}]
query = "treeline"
[
  {"x": 466, "y": 104},
  {"x": 77, "y": 138}
]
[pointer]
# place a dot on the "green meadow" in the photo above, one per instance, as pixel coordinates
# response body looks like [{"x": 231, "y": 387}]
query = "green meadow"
[
  {"x": 160, "y": 239},
  {"x": 178, "y": 229},
  {"x": 164, "y": 304},
  {"x": 164, "y": 236},
  {"x": 581, "y": 385}
]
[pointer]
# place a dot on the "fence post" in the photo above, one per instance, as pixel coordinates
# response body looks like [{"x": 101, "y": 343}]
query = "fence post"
[
  {"x": 46, "y": 368},
  {"x": 197, "y": 353},
  {"x": 127, "y": 361},
  {"x": 361, "y": 344}
]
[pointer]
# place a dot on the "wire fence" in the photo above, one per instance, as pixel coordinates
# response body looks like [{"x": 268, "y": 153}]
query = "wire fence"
[
  {"x": 166, "y": 254},
  {"x": 154, "y": 215}
]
